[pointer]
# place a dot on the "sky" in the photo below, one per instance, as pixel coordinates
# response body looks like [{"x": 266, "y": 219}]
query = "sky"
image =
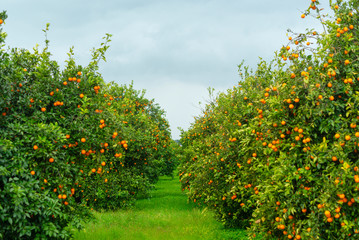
[{"x": 174, "y": 49}]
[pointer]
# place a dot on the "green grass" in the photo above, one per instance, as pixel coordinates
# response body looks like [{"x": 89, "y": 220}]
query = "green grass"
[{"x": 166, "y": 215}]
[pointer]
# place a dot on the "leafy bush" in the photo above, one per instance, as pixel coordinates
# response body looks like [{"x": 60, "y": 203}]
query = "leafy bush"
[
  {"x": 280, "y": 150},
  {"x": 71, "y": 142}
]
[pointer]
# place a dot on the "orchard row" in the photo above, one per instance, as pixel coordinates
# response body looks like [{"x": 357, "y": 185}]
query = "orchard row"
[
  {"x": 71, "y": 143},
  {"x": 278, "y": 153}
]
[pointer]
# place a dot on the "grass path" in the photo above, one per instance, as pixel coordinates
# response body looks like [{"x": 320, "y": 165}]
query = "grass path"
[{"x": 166, "y": 215}]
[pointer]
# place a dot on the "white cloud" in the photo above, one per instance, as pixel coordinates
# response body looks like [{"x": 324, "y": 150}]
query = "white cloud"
[
  {"x": 175, "y": 49},
  {"x": 179, "y": 99}
]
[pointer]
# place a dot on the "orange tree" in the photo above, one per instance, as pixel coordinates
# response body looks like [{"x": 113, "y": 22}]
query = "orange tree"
[
  {"x": 218, "y": 170},
  {"x": 69, "y": 141},
  {"x": 295, "y": 141},
  {"x": 313, "y": 190}
]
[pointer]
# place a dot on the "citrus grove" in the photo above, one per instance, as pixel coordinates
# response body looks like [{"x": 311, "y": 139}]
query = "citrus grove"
[
  {"x": 70, "y": 142},
  {"x": 278, "y": 154}
]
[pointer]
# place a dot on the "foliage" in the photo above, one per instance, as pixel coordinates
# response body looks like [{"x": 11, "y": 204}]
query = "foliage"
[
  {"x": 71, "y": 142},
  {"x": 279, "y": 152}
]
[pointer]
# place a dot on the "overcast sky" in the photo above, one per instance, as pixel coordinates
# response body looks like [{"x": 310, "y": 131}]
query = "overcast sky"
[{"x": 175, "y": 49}]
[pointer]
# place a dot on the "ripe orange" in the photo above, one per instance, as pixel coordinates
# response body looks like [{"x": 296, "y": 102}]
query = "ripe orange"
[
  {"x": 1, "y": 21},
  {"x": 337, "y": 135},
  {"x": 35, "y": 147},
  {"x": 32, "y": 172},
  {"x": 51, "y": 160},
  {"x": 43, "y": 109},
  {"x": 81, "y": 95},
  {"x": 327, "y": 214},
  {"x": 103, "y": 163},
  {"x": 83, "y": 140}
]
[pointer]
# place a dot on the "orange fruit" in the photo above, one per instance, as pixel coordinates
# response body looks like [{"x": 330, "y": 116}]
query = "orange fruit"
[
  {"x": 35, "y": 147},
  {"x": 32, "y": 172},
  {"x": 327, "y": 214},
  {"x": 83, "y": 140},
  {"x": 51, "y": 160}
]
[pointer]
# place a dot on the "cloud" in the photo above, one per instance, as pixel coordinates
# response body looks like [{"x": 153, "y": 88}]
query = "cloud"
[
  {"x": 180, "y": 100},
  {"x": 175, "y": 49}
]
